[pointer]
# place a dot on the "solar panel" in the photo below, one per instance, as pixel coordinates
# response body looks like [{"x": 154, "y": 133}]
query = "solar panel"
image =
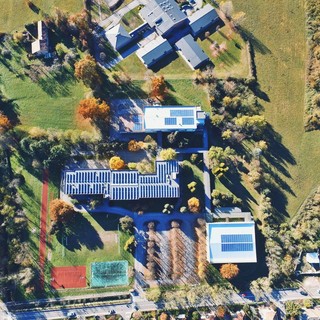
[
  {"x": 228, "y": 247},
  {"x": 235, "y": 238},
  {"x": 181, "y": 113},
  {"x": 236, "y": 242},
  {"x": 170, "y": 121},
  {"x": 187, "y": 121}
]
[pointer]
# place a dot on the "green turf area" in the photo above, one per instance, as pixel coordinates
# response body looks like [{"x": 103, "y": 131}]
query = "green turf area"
[
  {"x": 278, "y": 36},
  {"x": 15, "y": 13},
  {"x": 30, "y": 193},
  {"x": 234, "y": 60},
  {"x": 48, "y": 103},
  {"x": 132, "y": 19},
  {"x": 92, "y": 239}
]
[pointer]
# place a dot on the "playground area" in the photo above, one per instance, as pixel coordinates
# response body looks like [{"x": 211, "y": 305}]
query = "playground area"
[{"x": 93, "y": 246}]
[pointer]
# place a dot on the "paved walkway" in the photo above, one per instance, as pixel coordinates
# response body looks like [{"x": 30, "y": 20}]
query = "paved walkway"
[
  {"x": 115, "y": 18},
  {"x": 43, "y": 225}
]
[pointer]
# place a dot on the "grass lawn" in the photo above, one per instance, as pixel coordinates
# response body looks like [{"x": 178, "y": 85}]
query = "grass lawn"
[
  {"x": 232, "y": 62},
  {"x": 48, "y": 103},
  {"x": 278, "y": 36},
  {"x": 132, "y": 19},
  {"x": 15, "y": 13},
  {"x": 176, "y": 69},
  {"x": 92, "y": 239},
  {"x": 30, "y": 193}
]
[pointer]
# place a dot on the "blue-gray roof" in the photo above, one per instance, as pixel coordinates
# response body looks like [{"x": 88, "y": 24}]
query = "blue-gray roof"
[
  {"x": 154, "y": 51},
  {"x": 191, "y": 51},
  {"x": 162, "y": 14},
  {"x": 124, "y": 184},
  {"x": 202, "y": 19}
]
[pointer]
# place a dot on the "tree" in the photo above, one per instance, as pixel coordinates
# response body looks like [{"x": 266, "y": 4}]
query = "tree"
[
  {"x": 86, "y": 70},
  {"x": 218, "y": 155},
  {"x": 116, "y": 163},
  {"x": 158, "y": 87},
  {"x": 194, "y": 205},
  {"x": 229, "y": 271},
  {"x": 293, "y": 309},
  {"x": 168, "y": 154},
  {"x": 221, "y": 311},
  {"x": 58, "y": 156},
  {"x": 5, "y": 123},
  {"x": 134, "y": 146},
  {"x": 153, "y": 294},
  {"x": 164, "y": 316},
  {"x": 252, "y": 124},
  {"x": 94, "y": 109},
  {"x": 61, "y": 211},
  {"x": 126, "y": 223}
]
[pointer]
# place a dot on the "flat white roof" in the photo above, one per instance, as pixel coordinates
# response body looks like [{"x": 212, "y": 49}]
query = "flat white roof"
[
  {"x": 312, "y": 257},
  {"x": 170, "y": 118},
  {"x": 231, "y": 242}
]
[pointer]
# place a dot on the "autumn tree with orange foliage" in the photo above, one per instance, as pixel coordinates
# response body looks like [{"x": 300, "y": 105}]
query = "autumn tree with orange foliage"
[
  {"x": 86, "y": 70},
  {"x": 5, "y": 123},
  {"x": 94, "y": 109},
  {"x": 158, "y": 88},
  {"x": 116, "y": 163},
  {"x": 229, "y": 271},
  {"x": 134, "y": 145},
  {"x": 163, "y": 316},
  {"x": 61, "y": 211},
  {"x": 221, "y": 312},
  {"x": 194, "y": 205}
]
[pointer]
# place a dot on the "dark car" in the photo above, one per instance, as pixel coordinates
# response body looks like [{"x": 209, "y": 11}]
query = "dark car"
[{"x": 304, "y": 293}]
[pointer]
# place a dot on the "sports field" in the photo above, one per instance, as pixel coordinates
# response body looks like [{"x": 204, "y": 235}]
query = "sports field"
[{"x": 68, "y": 277}]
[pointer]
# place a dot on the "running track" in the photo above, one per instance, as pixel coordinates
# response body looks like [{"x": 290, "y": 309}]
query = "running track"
[{"x": 43, "y": 225}]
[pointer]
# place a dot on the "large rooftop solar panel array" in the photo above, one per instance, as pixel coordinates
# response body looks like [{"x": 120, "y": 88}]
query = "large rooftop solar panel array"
[
  {"x": 124, "y": 185},
  {"x": 236, "y": 242},
  {"x": 187, "y": 121},
  {"x": 181, "y": 113}
]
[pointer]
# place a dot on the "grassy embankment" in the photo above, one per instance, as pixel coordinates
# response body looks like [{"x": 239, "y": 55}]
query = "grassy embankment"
[{"x": 279, "y": 41}]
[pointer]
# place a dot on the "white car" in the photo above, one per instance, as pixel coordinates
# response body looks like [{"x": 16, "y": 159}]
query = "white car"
[{"x": 72, "y": 315}]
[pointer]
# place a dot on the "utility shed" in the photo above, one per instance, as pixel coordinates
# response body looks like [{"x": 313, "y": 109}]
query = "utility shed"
[
  {"x": 231, "y": 242},
  {"x": 154, "y": 51},
  {"x": 191, "y": 52},
  {"x": 200, "y": 20}
]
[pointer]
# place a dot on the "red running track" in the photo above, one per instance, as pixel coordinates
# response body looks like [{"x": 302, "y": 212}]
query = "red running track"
[{"x": 43, "y": 225}]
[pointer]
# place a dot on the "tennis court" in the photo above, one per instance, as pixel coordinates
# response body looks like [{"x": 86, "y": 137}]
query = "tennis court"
[
  {"x": 107, "y": 274},
  {"x": 68, "y": 277}
]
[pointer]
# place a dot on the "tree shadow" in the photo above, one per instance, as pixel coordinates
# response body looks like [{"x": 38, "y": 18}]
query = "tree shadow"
[
  {"x": 256, "y": 43},
  {"x": 78, "y": 233},
  {"x": 232, "y": 181},
  {"x": 109, "y": 222},
  {"x": 57, "y": 83},
  {"x": 11, "y": 110},
  {"x": 256, "y": 89}
]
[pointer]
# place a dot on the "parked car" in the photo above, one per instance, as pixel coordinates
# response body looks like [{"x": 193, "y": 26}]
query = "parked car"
[
  {"x": 304, "y": 293},
  {"x": 72, "y": 315}
]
